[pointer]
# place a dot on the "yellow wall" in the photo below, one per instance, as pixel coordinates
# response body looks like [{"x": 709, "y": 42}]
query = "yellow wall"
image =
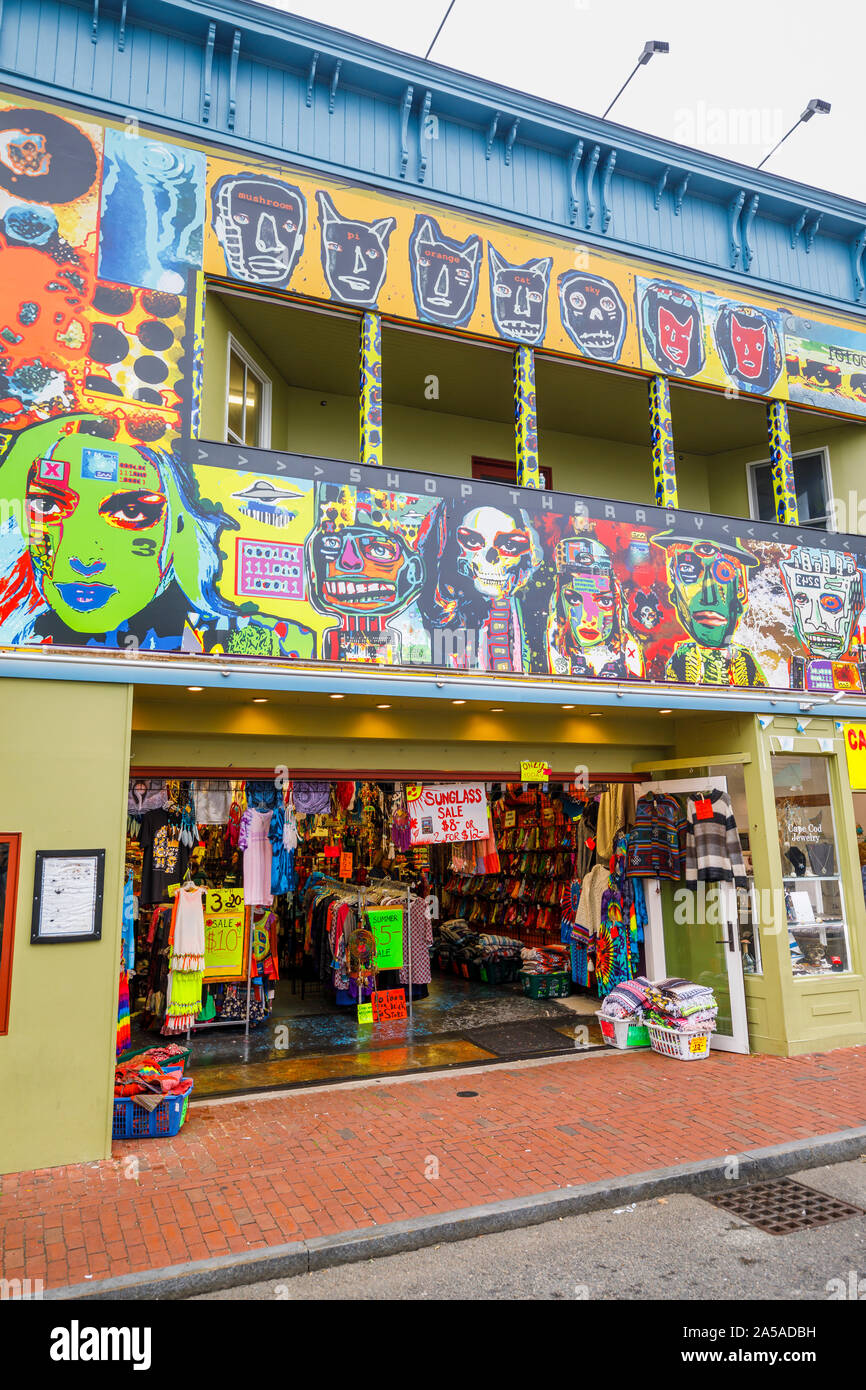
[
  {"x": 63, "y": 780},
  {"x": 219, "y": 322}
]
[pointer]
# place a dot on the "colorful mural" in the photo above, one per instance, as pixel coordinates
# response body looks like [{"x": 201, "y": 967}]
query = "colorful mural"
[
  {"x": 106, "y": 235},
  {"x": 121, "y": 545}
]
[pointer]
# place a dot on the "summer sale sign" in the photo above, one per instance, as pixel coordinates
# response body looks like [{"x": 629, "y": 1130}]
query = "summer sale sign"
[{"x": 443, "y": 813}]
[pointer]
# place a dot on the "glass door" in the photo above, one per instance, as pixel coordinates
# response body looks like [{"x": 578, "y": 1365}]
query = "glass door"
[{"x": 693, "y": 933}]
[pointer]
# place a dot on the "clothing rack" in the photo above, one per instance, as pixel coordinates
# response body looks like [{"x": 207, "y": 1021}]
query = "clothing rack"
[{"x": 374, "y": 894}]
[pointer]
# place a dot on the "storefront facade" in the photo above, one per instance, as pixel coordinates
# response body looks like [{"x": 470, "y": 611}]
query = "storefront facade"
[{"x": 572, "y": 509}]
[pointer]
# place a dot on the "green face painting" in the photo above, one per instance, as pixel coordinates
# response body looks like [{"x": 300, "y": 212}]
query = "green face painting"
[
  {"x": 708, "y": 588},
  {"x": 99, "y": 519}
]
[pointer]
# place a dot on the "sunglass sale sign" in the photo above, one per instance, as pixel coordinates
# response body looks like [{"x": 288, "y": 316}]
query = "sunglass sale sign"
[{"x": 445, "y": 813}]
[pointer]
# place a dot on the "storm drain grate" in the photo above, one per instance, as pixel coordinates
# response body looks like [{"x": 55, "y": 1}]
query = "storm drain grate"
[{"x": 783, "y": 1206}]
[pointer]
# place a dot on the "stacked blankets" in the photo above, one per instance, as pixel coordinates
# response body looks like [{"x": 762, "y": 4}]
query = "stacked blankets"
[
  {"x": 628, "y": 999},
  {"x": 455, "y": 940},
  {"x": 544, "y": 960},
  {"x": 681, "y": 1004}
]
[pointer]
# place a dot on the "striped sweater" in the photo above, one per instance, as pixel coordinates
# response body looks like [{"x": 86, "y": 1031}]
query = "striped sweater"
[{"x": 713, "y": 853}]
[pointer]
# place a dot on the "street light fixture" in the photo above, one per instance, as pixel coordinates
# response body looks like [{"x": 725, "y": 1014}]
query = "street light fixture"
[
  {"x": 650, "y": 47},
  {"x": 816, "y": 107}
]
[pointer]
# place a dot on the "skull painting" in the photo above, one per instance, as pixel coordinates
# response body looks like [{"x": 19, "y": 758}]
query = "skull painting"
[
  {"x": 825, "y": 589},
  {"x": 672, "y": 329},
  {"x": 260, "y": 224},
  {"x": 593, "y": 315},
  {"x": 497, "y": 551},
  {"x": 354, "y": 254},
  {"x": 43, "y": 158},
  {"x": 748, "y": 344},
  {"x": 518, "y": 295},
  {"x": 444, "y": 274}
]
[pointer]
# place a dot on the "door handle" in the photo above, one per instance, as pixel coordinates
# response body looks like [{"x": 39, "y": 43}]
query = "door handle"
[{"x": 729, "y": 939}]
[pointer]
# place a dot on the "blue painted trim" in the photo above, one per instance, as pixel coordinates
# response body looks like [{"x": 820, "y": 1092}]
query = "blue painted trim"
[
  {"x": 332, "y": 89},
  {"x": 607, "y": 172},
  {"x": 733, "y": 218},
  {"x": 404, "y": 131},
  {"x": 311, "y": 77},
  {"x": 573, "y": 188},
  {"x": 590, "y": 175},
  {"x": 748, "y": 248},
  {"x": 444, "y": 687},
  {"x": 809, "y": 233},
  {"x": 121, "y": 33},
  {"x": 233, "y": 78},
  {"x": 660, "y": 186},
  {"x": 857, "y": 263},
  {"x": 423, "y": 140},
  {"x": 208, "y": 75},
  {"x": 509, "y": 143},
  {"x": 491, "y": 132},
  {"x": 680, "y": 194}
]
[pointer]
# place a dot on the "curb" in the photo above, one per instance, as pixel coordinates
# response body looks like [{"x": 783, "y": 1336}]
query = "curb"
[{"x": 398, "y": 1237}]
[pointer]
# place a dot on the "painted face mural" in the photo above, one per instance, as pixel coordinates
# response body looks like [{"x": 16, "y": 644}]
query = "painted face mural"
[
  {"x": 826, "y": 594},
  {"x": 361, "y": 559},
  {"x": 708, "y": 588},
  {"x": 354, "y": 254},
  {"x": 672, "y": 329},
  {"x": 444, "y": 273},
  {"x": 748, "y": 344},
  {"x": 260, "y": 224},
  {"x": 593, "y": 315},
  {"x": 496, "y": 552},
  {"x": 585, "y": 632},
  {"x": 518, "y": 295}
]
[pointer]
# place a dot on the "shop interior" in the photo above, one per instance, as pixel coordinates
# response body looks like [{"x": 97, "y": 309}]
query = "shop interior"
[{"x": 506, "y": 944}]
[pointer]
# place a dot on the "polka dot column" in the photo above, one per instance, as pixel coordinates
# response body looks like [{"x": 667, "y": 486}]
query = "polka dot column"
[
  {"x": 371, "y": 389},
  {"x": 784, "y": 490},
  {"x": 525, "y": 418},
  {"x": 662, "y": 436}
]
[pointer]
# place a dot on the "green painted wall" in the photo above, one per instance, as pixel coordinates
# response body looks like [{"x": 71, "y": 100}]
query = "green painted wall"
[
  {"x": 315, "y": 422},
  {"x": 63, "y": 785},
  {"x": 788, "y": 1016},
  {"x": 728, "y": 486}
]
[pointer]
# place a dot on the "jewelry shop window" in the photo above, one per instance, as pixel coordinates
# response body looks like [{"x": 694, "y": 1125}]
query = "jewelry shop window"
[{"x": 814, "y": 896}]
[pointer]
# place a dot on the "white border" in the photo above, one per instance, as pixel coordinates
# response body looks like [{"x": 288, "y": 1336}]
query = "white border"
[
  {"x": 264, "y": 440},
  {"x": 824, "y": 451}
]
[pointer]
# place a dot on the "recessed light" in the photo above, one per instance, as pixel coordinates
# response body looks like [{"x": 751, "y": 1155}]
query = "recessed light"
[
  {"x": 595, "y": 714},
  {"x": 260, "y": 699},
  {"x": 665, "y": 711},
  {"x": 337, "y": 697},
  {"x": 458, "y": 702},
  {"x": 568, "y": 706},
  {"x": 496, "y": 711},
  {"x": 195, "y": 687},
  {"x": 383, "y": 706}
]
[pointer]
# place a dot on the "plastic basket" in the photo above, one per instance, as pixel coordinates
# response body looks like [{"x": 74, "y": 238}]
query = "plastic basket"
[
  {"x": 499, "y": 972},
  {"x": 182, "y": 1056},
  {"x": 624, "y": 1032},
  {"x": 554, "y": 985},
  {"x": 686, "y": 1046},
  {"x": 132, "y": 1121}
]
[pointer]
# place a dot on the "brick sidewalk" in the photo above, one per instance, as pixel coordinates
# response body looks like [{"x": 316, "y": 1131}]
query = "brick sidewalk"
[{"x": 240, "y": 1177}]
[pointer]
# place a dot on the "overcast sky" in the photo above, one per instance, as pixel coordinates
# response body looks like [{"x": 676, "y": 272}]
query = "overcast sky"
[{"x": 737, "y": 77}]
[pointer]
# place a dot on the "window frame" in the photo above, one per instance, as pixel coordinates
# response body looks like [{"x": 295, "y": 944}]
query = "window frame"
[
  {"x": 824, "y": 452},
  {"x": 250, "y": 365},
  {"x": 8, "y": 941},
  {"x": 482, "y": 460}
]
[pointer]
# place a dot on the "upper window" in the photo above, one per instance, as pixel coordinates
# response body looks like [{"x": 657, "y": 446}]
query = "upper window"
[
  {"x": 248, "y": 401},
  {"x": 812, "y": 481},
  {"x": 8, "y": 888},
  {"x": 502, "y": 471}
]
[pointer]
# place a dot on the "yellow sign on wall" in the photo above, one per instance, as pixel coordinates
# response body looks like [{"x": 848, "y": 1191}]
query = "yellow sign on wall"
[
  {"x": 226, "y": 935},
  {"x": 855, "y": 752}
]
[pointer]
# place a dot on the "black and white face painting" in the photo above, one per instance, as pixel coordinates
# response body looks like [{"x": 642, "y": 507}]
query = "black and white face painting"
[
  {"x": 593, "y": 315},
  {"x": 260, "y": 225},
  {"x": 518, "y": 295},
  {"x": 354, "y": 254},
  {"x": 444, "y": 274}
]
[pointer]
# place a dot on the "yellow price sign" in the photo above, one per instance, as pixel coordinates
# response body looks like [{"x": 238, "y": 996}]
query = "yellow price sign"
[
  {"x": 698, "y": 1045},
  {"x": 534, "y": 771},
  {"x": 365, "y": 1013}
]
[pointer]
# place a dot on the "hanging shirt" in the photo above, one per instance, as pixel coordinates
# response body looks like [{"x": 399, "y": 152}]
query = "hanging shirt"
[
  {"x": 164, "y": 857},
  {"x": 713, "y": 853},
  {"x": 254, "y": 842},
  {"x": 657, "y": 843}
]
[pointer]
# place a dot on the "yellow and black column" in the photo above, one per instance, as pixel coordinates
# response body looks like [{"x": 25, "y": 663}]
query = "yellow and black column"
[
  {"x": 371, "y": 389},
  {"x": 781, "y": 459},
  {"x": 525, "y": 418},
  {"x": 662, "y": 436}
]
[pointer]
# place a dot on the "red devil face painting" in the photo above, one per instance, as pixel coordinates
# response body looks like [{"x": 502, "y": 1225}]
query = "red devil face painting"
[
  {"x": 675, "y": 337},
  {"x": 750, "y": 345}
]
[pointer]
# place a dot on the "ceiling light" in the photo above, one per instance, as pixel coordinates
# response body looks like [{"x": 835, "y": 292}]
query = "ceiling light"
[
  {"x": 337, "y": 697},
  {"x": 665, "y": 711},
  {"x": 383, "y": 706},
  {"x": 260, "y": 699},
  {"x": 458, "y": 702},
  {"x": 568, "y": 706},
  {"x": 496, "y": 711},
  {"x": 595, "y": 714},
  {"x": 195, "y": 687}
]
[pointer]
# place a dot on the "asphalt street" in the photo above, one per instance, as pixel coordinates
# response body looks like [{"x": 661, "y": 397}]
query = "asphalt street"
[{"x": 679, "y": 1247}]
